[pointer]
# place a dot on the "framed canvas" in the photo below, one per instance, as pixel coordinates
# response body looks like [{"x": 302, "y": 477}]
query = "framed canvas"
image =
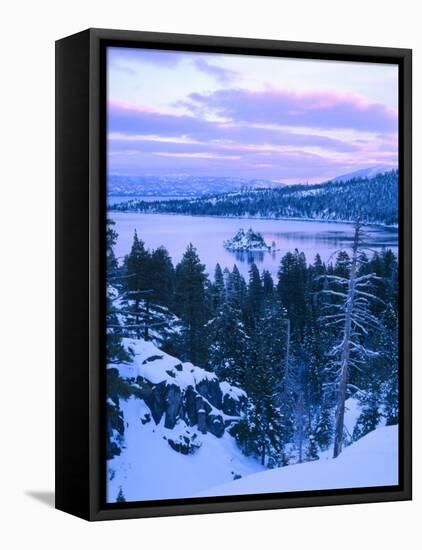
[{"x": 233, "y": 274}]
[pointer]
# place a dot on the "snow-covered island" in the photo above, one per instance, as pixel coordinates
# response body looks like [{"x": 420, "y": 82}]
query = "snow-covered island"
[{"x": 246, "y": 241}]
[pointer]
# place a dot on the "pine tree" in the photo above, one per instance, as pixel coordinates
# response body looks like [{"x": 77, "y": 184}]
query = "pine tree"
[
  {"x": 236, "y": 290},
  {"x": 162, "y": 277},
  {"x": 120, "y": 496},
  {"x": 228, "y": 345},
  {"x": 137, "y": 283},
  {"x": 342, "y": 265},
  {"x": 190, "y": 305},
  {"x": 291, "y": 288},
  {"x": 267, "y": 285},
  {"x": 259, "y": 433},
  {"x": 115, "y": 351},
  {"x": 390, "y": 356},
  {"x": 111, "y": 239},
  {"x": 218, "y": 288},
  {"x": 312, "y": 450},
  {"x": 324, "y": 427},
  {"x": 254, "y": 297},
  {"x": 369, "y": 418}
]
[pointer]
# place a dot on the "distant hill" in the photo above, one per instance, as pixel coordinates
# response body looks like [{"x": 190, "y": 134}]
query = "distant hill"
[
  {"x": 374, "y": 200},
  {"x": 181, "y": 185},
  {"x": 370, "y": 172}
]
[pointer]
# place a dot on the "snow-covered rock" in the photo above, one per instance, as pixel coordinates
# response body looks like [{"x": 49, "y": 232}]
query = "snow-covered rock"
[
  {"x": 246, "y": 241},
  {"x": 175, "y": 393},
  {"x": 168, "y": 427}
]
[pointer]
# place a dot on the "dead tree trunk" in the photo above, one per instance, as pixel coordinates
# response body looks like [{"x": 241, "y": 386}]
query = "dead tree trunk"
[{"x": 345, "y": 347}]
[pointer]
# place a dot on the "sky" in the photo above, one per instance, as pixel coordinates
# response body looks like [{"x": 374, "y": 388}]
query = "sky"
[{"x": 286, "y": 120}]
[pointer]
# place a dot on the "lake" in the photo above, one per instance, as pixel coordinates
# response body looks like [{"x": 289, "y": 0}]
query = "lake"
[{"x": 207, "y": 234}]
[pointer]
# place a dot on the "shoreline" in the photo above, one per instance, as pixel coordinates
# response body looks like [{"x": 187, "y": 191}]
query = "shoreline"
[{"x": 291, "y": 218}]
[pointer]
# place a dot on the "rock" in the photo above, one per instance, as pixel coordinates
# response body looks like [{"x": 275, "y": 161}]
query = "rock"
[
  {"x": 146, "y": 419},
  {"x": 210, "y": 389},
  {"x": 173, "y": 405},
  {"x": 201, "y": 403},
  {"x": 171, "y": 373},
  {"x": 189, "y": 406},
  {"x": 231, "y": 406},
  {"x": 202, "y": 421},
  {"x": 215, "y": 424},
  {"x": 184, "y": 444},
  {"x": 156, "y": 401},
  {"x": 152, "y": 358}
]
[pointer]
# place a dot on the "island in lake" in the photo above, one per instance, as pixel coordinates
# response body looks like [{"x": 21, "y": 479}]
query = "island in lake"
[{"x": 246, "y": 241}]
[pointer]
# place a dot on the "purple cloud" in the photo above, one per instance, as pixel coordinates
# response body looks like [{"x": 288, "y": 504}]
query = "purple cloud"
[
  {"x": 222, "y": 74},
  {"x": 132, "y": 120},
  {"x": 310, "y": 109},
  {"x": 147, "y": 141}
]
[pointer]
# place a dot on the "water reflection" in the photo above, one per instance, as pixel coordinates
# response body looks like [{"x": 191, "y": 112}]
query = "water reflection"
[{"x": 208, "y": 235}]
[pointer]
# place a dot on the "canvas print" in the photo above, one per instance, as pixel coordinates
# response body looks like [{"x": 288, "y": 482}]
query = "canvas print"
[{"x": 252, "y": 275}]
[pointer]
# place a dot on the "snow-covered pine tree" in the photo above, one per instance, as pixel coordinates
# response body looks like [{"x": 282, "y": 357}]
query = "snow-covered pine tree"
[
  {"x": 218, "y": 288},
  {"x": 191, "y": 305},
  {"x": 291, "y": 287},
  {"x": 115, "y": 352},
  {"x": 136, "y": 284},
  {"x": 237, "y": 291},
  {"x": 255, "y": 296},
  {"x": 261, "y": 430},
  {"x": 370, "y": 412},
  {"x": 390, "y": 354},
  {"x": 162, "y": 277},
  {"x": 324, "y": 426},
  {"x": 120, "y": 496},
  {"x": 111, "y": 239},
  {"x": 312, "y": 450},
  {"x": 352, "y": 315},
  {"x": 228, "y": 345}
]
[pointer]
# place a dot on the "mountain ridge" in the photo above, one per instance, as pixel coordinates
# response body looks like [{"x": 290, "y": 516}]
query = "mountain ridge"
[{"x": 373, "y": 200}]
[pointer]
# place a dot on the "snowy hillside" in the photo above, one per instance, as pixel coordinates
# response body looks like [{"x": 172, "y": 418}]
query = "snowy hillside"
[
  {"x": 178, "y": 443},
  {"x": 370, "y": 462},
  {"x": 374, "y": 199},
  {"x": 369, "y": 172}
]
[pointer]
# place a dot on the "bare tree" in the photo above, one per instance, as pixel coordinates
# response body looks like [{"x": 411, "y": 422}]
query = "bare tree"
[{"x": 350, "y": 312}]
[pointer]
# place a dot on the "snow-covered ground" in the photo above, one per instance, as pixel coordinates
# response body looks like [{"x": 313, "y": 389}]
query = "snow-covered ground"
[
  {"x": 370, "y": 462},
  {"x": 150, "y": 469}
]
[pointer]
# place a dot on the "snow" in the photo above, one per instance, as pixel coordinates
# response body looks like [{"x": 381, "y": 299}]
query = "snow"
[
  {"x": 157, "y": 366},
  {"x": 351, "y": 415},
  {"x": 232, "y": 391},
  {"x": 370, "y": 462},
  {"x": 149, "y": 469}
]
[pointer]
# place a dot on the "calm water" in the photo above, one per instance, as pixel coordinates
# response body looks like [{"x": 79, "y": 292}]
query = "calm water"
[{"x": 207, "y": 235}]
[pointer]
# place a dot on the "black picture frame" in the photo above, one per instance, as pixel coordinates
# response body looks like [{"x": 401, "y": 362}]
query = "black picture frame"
[{"x": 80, "y": 272}]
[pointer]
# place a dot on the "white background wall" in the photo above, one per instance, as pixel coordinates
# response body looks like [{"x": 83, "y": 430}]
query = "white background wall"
[{"x": 28, "y": 31}]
